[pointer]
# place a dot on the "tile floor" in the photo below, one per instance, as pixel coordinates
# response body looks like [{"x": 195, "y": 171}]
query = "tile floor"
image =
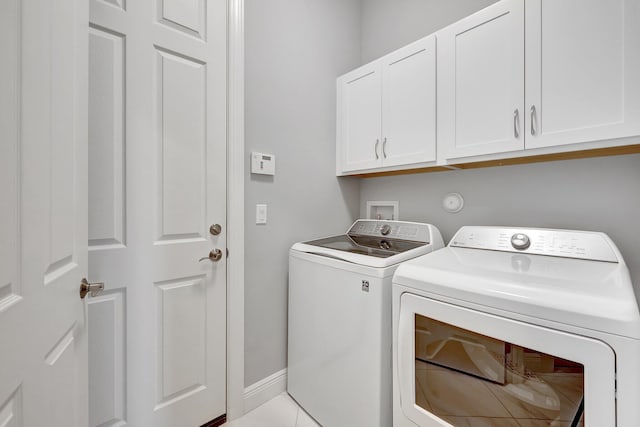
[
  {"x": 467, "y": 401},
  {"x": 281, "y": 411},
  {"x": 503, "y": 409}
]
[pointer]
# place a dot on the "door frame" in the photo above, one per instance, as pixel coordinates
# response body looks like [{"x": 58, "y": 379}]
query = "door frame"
[{"x": 235, "y": 209}]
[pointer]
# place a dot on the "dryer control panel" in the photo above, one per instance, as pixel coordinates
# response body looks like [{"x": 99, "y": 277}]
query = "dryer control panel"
[{"x": 538, "y": 241}]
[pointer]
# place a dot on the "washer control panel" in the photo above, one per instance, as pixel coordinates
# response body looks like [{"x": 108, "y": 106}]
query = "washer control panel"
[
  {"x": 538, "y": 241},
  {"x": 413, "y": 231}
]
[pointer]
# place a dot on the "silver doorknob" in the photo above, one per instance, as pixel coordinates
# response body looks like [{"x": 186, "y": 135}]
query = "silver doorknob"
[
  {"x": 214, "y": 255},
  {"x": 93, "y": 288},
  {"x": 215, "y": 229}
]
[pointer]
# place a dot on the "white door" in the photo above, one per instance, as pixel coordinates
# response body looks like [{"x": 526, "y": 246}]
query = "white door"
[
  {"x": 43, "y": 213},
  {"x": 157, "y": 157},
  {"x": 583, "y": 62},
  {"x": 409, "y": 104},
  {"x": 359, "y": 118},
  {"x": 481, "y": 82}
]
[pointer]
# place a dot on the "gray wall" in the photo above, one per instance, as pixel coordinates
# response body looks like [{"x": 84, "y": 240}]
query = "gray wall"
[
  {"x": 294, "y": 52},
  {"x": 592, "y": 194},
  {"x": 598, "y": 194},
  {"x": 389, "y": 24}
]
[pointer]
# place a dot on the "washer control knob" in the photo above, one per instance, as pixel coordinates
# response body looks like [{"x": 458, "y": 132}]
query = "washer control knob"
[
  {"x": 520, "y": 241},
  {"x": 386, "y": 229}
]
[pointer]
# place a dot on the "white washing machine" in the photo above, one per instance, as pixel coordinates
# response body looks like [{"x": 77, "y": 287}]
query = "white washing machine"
[
  {"x": 339, "y": 349},
  {"x": 517, "y": 327}
]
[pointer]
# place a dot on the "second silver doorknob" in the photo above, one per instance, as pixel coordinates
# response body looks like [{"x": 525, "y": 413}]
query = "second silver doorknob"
[{"x": 214, "y": 255}]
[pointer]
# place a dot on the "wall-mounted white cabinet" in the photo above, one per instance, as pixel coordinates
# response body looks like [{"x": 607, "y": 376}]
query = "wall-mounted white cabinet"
[
  {"x": 387, "y": 111},
  {"x": 583, "y": 71},
  {"x": 481, "y": 82},
  {"x": 522, "y": 75},
  {"x": 520, "y": 78},
  {"x": 359, "y": 118}
]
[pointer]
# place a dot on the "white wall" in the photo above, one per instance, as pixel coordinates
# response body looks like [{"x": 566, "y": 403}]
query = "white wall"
[
  {"x": 389, "y": 24},
  {"x": 294, "y": 52},
  {"x": 600, "y": 194}
]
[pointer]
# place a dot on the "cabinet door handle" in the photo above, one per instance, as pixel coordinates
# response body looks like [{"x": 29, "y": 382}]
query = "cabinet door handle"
[
  {"x": 376, "y": 149},
  {"x": 516, "y": 123},
  {"x": 384, "y": 148},
  {"x": 533, "y": 119}
]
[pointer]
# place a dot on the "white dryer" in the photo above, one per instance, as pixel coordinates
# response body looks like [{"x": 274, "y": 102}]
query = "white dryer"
[
  {"x": 517, "y": 327},
  {"x": 339, "y": 338}
]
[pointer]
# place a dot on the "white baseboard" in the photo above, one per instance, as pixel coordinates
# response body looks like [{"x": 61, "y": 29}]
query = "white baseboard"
[{"x": 264, "y": 390}]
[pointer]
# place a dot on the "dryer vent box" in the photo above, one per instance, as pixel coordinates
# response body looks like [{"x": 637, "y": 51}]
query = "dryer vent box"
[{"x": 383, "y": 210}]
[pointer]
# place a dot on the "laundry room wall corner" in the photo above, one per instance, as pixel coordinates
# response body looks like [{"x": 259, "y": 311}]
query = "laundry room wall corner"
[
  {"x": 294, "y": 52},
  {"x": 599, "y": 194},
  {"x": 390, "y": 24}
]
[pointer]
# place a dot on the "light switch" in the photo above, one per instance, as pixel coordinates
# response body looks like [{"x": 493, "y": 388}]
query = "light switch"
[{"x": 261, "y": 214}]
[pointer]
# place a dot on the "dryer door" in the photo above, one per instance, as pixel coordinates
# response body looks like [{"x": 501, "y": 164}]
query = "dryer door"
[{"x": 459, "y": 367}]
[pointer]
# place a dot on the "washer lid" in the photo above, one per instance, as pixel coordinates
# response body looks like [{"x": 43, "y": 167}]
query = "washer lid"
[
  {"x": 583, "y": 293},
  {"x": 380, "y": 247},
  {"x": 377, "y": 243}
]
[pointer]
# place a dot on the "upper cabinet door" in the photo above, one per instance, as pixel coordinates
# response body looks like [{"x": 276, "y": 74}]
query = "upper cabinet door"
[
  {"x": 409, "y": 104},
  {"x": 583, "y": 63},
  {"x": 359, "y": 118},
  {"x": 481, "y": 82}
]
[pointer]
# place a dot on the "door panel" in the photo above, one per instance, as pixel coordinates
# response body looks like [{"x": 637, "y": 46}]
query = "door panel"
[
  {"x": 11, "y": 410},
  {"x": 61, "y": 362},
  {"x": 582, "y": 59},
  {"x": 13, "y": 306},
  {"x": 107, "y": 399},
  {"x": 481, "y": 82},
  {"x": 9, "y": 155},
  {"x": 181, "y": 116},
  {"x": 187, "y": 16},
  {"x": 43, "y": 249},
  {"x": 159, "y": 102},
  {"x": 107, "y": 136},
  {"x": 62, "y": 145},
  {"x": 182, "y": 326},
  {"x": 409, "y": 104}
]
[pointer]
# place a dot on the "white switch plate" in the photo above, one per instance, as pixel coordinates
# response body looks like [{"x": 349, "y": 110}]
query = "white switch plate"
[
  {"x": 261, "y": 214},
  {"x": 263, "y": 164}
]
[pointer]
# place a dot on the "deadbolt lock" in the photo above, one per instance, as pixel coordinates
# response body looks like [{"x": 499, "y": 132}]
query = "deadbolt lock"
[{"x": 215, "y": 229}]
